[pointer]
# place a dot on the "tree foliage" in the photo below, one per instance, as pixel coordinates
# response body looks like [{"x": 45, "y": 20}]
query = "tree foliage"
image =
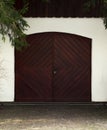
[
  {"x": 105, "y": 13},
  {"x": 103, "y": 9},
  {"x": 12, "y": 23}
]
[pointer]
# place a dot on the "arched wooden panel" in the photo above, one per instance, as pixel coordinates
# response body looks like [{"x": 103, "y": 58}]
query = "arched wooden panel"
[
  {"x": 56, "y": 67},
  {"x": 72, "y": 62},
  {"x": 33, "y": 70}
]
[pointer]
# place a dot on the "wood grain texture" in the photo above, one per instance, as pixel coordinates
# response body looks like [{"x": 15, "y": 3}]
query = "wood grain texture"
[
  {"x": 68, "y": 8},
  {"x": 34, "y": 65},
  {"x": 72, "y": 62},
  {"x": 56, "y": 67}
]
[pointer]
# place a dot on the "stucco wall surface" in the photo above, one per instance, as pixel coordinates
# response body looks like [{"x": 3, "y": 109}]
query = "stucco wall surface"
[{"x": 6, "y": 71}]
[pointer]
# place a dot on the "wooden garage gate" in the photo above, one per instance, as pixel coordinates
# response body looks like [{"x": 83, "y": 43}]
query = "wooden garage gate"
[{"x": 56, "y": 67}]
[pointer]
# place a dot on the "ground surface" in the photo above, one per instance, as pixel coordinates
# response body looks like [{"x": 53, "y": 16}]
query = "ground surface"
[{"x": 53, "y": 117}]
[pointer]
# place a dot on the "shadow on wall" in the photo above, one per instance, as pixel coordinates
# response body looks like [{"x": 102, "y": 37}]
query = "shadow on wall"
[
  {"x": 2, "y": 70},
  {"x": 3, "y": 75}
]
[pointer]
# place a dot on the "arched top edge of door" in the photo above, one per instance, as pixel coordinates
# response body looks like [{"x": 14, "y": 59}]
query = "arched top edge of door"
[{"x": 58, "y": 33}]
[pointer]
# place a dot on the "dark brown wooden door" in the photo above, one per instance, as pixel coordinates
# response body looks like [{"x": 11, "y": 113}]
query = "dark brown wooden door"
[
  {"x": 72, "y": 63},
  {"x": 34, "y": 70},
  {"x": 56, "y": 67}
]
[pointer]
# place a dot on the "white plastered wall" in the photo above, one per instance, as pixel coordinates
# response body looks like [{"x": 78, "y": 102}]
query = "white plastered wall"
[
  {"x": 88, "y": 27},
  {"x": 6, "y": 71}
]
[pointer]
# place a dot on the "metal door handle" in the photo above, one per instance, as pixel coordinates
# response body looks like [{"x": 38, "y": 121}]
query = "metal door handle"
[{"x": 54, "y": 72}]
